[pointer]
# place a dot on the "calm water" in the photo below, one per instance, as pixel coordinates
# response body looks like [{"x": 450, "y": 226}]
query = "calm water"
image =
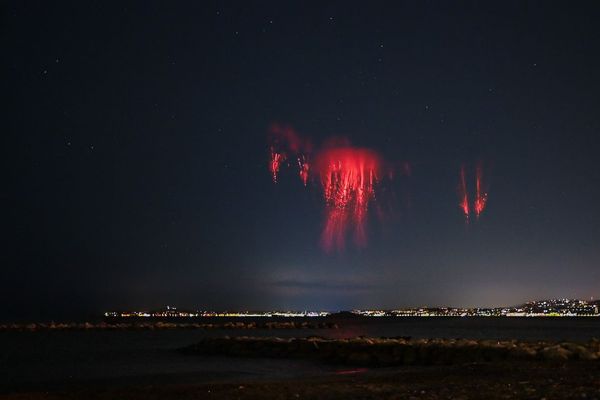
[{"x": 44, "y": 359}]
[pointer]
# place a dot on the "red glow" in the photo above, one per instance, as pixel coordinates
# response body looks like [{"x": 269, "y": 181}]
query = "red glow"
[
  {"x": 348, "y": 177},
  {"x": 288, "y": 138},
  {"x": 480, "y": 195},
  {"x": 285, "y": 140},
  {"x": 334, "y": 231},
  {"x": 462, "y": 193},
  {"x": 351, "y": 371},
  {"x": 304, "y": 168},
  {"x": 275, "y": 164}
]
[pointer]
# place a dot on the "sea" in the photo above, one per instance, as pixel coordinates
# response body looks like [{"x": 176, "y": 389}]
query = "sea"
[{"x": 43, "y": 360}]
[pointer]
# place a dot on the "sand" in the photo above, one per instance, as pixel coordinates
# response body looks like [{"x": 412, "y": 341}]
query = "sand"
[{"x": 521, "y": 380}]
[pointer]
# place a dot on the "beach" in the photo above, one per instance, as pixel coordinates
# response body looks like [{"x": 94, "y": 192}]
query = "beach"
[
  {"x": 471, "y": 381},
  {"x": 148, "y": 364}
]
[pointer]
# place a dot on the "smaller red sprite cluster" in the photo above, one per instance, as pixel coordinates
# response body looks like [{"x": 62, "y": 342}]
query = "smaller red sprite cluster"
[
  {"x": 481, "y": 195},
  {"x": 285, "y": 143}
]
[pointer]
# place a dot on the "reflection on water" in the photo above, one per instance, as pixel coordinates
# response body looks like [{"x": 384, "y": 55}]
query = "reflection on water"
[{"x": 351, "y": 371}]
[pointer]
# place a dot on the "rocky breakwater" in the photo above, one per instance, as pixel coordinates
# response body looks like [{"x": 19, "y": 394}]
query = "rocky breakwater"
[
  {"x": 364, "y": 351},
  {"x": 33, "y": 327}
]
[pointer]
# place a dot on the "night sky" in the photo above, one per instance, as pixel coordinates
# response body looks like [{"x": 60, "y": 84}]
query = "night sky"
[{"x": 136, "y": 153}]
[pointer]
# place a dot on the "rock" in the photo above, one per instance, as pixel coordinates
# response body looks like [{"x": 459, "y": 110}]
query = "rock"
[
  {"x": 580, "y": 351},
  {"x": 555, "y": 353},
  {"x": 467, "y": 343},
  {"x": 386, "y": 352},
  {"x": 522, "y": 353}
]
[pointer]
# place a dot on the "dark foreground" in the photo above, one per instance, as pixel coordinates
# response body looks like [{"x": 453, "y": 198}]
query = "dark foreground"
[
  {"x": 146, "y": 364},
  {"x": 520, "y": 380}
]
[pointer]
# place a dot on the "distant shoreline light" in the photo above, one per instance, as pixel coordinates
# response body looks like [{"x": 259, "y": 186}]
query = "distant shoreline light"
[
  {"x": 173, "y": 313},
  {"x": 542, "y": 308}
]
